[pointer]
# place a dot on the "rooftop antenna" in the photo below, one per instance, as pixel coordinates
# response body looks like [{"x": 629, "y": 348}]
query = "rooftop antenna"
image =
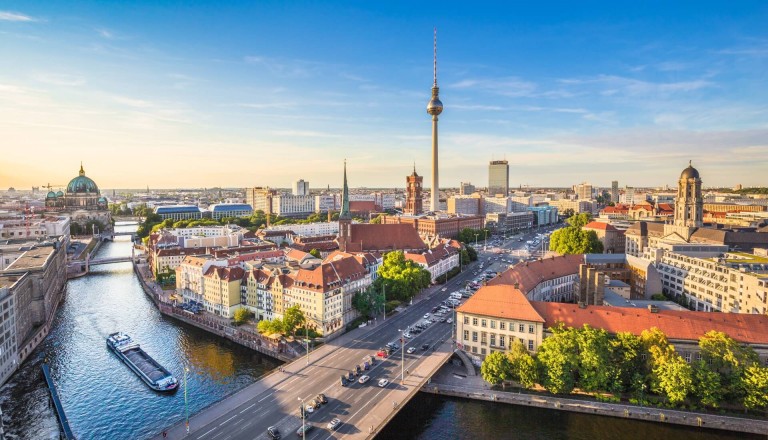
[{"x": 435, "y": 62}]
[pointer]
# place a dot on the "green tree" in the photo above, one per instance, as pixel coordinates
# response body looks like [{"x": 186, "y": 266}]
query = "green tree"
[
  {"x": 574, "y": 240},
  {"x": 523, "y": 365},
  {"x": 558, "y": 357},
  {"x": 293, "y": 318},
  {"x": 269, "y": 327},
  {"x": 596, "y": 372},
  {"x": 315, "y": 253},
  {"x": 471, "y": 252},
  {"x": 496, "y": 368},
  {"x": 657, "y": 348},
  {"x": 402, "y": 278},
  {"x": 241, "y": 315},
  {"x": 368, "y": 302},
  {"x": 376, "y": 220},
  {"x": 754, "y": 383},
  {"x": 579, "y": 220},
  {"x": 728, "y": 358},
  {"x": 707, "y": 387},
  {"x": 626, "y": 358},
  {"x": 675, "y": 377}
]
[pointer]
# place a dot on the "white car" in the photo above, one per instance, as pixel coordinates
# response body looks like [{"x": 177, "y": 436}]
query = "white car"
[
  {"x": 383, "y": 382},
  {"x": 450, "y": 321},
  {"x": 310, "y": 409},
  {"x": 426, "y": 316},
  {"x": 443, "y": 289},
  {"x": 364, "y": 378},
  {"x": 411, "y": 350},
  {"x": 333, "y": 424}
]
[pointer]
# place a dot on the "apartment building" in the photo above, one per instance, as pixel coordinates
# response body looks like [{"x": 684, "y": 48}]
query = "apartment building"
[{"x": 438, "y": 260}]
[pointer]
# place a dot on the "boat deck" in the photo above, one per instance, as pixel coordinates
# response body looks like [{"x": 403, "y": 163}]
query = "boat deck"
[{"x": 146, "y": 364}]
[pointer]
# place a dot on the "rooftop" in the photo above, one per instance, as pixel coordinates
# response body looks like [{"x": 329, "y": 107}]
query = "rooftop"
[
  {"x": 502, "y": 301},
  {"x": 32, "y": 259}
]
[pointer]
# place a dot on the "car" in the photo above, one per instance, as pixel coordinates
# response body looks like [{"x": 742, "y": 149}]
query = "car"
[
  {"x": 303, "y": 430},
  {"x": 443, "y": 289},
  {"x": 443, "y": 320},
  {"x": 450, "y": 321},
  {"x": 321, "y": 398},
  {"x": 383, "y": 382},
  {"x": 273, "y": 432},
  {"x": 426, "y": 316},
  {"x": 425, "y": 347},
  {"x": 364, "y": 378},
  {"x": 381, "y": 353},
  {"x": 407, "y": 335},
  {"x": 333, "y": 424},
  {"x": 410, "y": 350},
  {"x": 315, "y": 403},
  {"x": 310, "y": 408}
]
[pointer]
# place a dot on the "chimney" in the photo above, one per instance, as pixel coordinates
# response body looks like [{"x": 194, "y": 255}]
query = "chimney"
[
  {"x": 582, "y": 305},
  {"x": 653, "y": 308}
]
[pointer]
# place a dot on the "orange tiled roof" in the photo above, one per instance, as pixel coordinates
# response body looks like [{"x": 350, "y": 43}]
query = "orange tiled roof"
[
  {"x": 600, "y": 225},
  {"x": 529, "y": 274},
  {"x": 501, "y": 301},
  {"x": 373, "y": 237},
  {"x": 680, "y": 325},
  {"x": 330, "y": 275}
]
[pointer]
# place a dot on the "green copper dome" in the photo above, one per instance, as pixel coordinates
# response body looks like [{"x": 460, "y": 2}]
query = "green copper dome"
[{"x": 82, "y": 184}]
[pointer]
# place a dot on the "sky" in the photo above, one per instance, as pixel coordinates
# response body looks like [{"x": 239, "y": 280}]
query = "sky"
[{"x": 174, "y": 94}]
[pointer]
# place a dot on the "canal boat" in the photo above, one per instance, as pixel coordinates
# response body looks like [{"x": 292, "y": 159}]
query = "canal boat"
[{"x": 152, "y": 373}]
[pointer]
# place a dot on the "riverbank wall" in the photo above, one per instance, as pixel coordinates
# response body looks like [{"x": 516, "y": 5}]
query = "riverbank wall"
[
  {"x": 648, "y": 414},
  {"x": 247, "y": 339}
]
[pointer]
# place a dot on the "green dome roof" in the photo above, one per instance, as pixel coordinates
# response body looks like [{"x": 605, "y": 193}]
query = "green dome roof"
[
  {"x": 82, "y": 184},
  {"x": 50, "y": 195},
  {"x": 59, "y": 194}
]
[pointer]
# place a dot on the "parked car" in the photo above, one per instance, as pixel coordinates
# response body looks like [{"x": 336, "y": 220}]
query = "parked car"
[
  {"x": 426, "y": 316},
  {"x": 425, "y": 347},
  {"x": 301, "y": 432},
  {"x": 364, "y": 378},
  {"x": 321, "y": 398},
  {"x": 333, "y": 424},
  {"x": 381, "y": 353},
  {"x": 383, "y": 382},
  {"x": 411, "y": 350}
]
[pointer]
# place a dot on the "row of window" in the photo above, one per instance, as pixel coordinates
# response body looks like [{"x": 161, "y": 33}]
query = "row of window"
[{"x": 502, "y": 324}]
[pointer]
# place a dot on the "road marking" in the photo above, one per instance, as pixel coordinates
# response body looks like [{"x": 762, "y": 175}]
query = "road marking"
[
  {"x": 225, "y": 421},
  {"x": 265, "y": 397},
  {"x": 249, "y": 407},
  {"x": 203, "y": 435}
]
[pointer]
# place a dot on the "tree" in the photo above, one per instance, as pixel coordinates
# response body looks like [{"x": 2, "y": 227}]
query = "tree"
[
  {"x": 707, "y": 387},
  {"x": 627, "y": 360},
  {"x": 754, "y": 383},
  {"x": 558, "y": 357},
  {"x": 596, "y": 372},
  {"x": 471, "y": 252},
  {"x": 402, "y": 278},
  {"x": 315, "y": 253},
  {"x": 468, "y": 235},
  {"x": 675, "y": 377},
  {"x": 270, "y": 327},
  {"x": 579, "y": 220},
  {"x": 496, "y": 368},
  {"x": 368, "y": 302},
  {"x": 241, "y": 315},
  {"x": 523, "y": 365},
  {"x": 574, "y": 240},
  {"x": 292, "y": 318},
  {"x": 657, "y": 348},
  {"x": 728, "y": 358},
  {"x": 376, "y": 220}
]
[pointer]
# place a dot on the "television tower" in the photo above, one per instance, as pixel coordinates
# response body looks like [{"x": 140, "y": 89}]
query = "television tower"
[{"x": 434, "y": 108}]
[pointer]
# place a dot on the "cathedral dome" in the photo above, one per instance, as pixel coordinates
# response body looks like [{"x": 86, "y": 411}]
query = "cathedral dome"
[
  {"x": 689, "y": 173},
  {"x": 50, "y": 195},
  {"x": 82, "y": 184},
  {"x": 59, "y": 194}
]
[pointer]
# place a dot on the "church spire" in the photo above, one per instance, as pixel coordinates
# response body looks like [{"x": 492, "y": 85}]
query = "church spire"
[
  {"x": 344, "y": 214},
  {"x": 82, "y": 171}
]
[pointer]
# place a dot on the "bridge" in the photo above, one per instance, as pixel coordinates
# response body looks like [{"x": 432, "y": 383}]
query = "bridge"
[
  {"x": 88, "y": 261},
  {"x": 364, "y": 409}
]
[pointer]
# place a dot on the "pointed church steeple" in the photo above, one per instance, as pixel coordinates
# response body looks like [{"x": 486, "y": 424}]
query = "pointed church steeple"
[
  {"x": 344, "y": 214},
  {"x": 82, "y": 171}
]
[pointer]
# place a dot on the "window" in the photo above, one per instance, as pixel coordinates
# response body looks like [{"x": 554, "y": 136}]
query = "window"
[
  {"x": 466, "y": 335},
  {"x": 530, "y": 345},
  {"x": 493, "y": 324},
  {"x": 521, "y": 328},
  {"x": 483, "y": 338},
  {"x": 474, "y": 336},
  {"x": 474, "y": 349},
  {"x": 474, "y": 321},
  {"x": 466, "y": 320},
  {"x": 530, "y": 328},
  {"x": 502, "y": 325},
  {"x": 501, "y": 341},
  {"x": 483, "y": 323},
  {"x": 493, "y": 339},
  {"x": 482, "y": 351}
]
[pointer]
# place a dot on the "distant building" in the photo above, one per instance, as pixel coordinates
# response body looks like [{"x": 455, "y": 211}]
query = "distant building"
[
  {"x": 300, "y": 188},
  {"x": 615, "y": 191},
  {"x": 81, "y": 200},
  {"x": 583, "y": 191},
  {"x": 9, "y": 359},
  {"x": 179, "y": 212},
  {"x": 544, "y": 215},
  {"x": 466, "y": 188},
  {"x": 222, "y": 210},
  {"x": 260, "y": 198},
  {"x": 465, "y": 204},
  {"x": 611, "y": 237},
  {"x": 436, "y": 226},
  {"x": 413, "y": 200},
  {"x": 292, "y": 206},
  {"x": 498, "y": 178}
]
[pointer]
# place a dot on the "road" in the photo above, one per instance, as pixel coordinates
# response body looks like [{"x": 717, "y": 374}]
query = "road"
[{"x": 275, "y": 400}]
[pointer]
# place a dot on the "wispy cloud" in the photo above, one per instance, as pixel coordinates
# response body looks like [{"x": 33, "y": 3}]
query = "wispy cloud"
[
  {"x": 16, "y": 16},
  {"x": 59, "y": 79},
  {"x": 287, "y": 67},
  {"x": 510, "y": 87},
  {"x": 613, "y": 84},
  {"x": 132, "y": 102},
  {"x": 105, "y": 33}
]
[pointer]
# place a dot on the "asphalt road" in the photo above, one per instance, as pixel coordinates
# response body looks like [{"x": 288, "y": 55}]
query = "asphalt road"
[{"x": 356, "y": 405}]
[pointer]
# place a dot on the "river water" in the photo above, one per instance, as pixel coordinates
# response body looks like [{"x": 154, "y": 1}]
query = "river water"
[{"x": 105, "y": 400}]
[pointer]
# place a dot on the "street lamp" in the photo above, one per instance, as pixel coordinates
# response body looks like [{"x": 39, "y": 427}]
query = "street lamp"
[
  {"x": 384, "y": 292},
  {"x": 303, "y": 411},
  {"x": 476, "y": 235},
  {"x": 186, "y": 405},
  {"x": 402, "y": 355},
  {"x": 306, "y": 336}
]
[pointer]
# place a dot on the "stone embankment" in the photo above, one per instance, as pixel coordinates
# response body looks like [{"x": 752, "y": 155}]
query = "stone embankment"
[{"x": 254, "y": 341}]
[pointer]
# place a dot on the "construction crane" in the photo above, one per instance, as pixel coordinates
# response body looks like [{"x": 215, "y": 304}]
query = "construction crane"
[{"x": 49, "y": 186}]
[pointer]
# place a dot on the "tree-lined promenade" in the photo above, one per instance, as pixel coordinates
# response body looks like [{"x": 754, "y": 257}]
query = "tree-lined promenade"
[{"x": 645, "y": 369}]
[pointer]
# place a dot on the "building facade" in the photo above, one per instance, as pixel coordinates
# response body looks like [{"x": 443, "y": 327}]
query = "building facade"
[
  {"x": 179, "y": 212},
  {"x": 223, "y": 210},
  {"x": 466, "y": 188},
  {"x": 300, "y": 188},
  {"x": 413, "y": 200},
  {"x": 498, "y": 178}
]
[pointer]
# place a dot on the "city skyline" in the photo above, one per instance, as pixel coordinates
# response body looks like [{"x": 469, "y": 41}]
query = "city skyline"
[{"x": 242, "y": 95}]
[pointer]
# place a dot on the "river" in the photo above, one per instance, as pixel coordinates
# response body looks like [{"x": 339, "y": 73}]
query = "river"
[{"x": 105, "y": 400}]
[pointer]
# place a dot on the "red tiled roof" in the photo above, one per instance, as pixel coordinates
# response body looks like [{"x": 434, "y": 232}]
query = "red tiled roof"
[
  {"x": 362, "y": 205},
  {"x": 529, "y": 274},
  {"x": 225, "y": 273},
  {"x": 502, "y": 301},
  {"x": 179, "y": 251},
  {"x": 680, "y": 325},
  {"x": 330, "y": 275},
  {"x": 373, "y": 237},
  {"x": 600, "y": 225}
]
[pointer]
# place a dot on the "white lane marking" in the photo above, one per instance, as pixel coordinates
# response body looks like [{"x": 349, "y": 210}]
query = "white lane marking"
[
  {"x": 265, "y": 397},
  {"x": 203, "y": 435},
  {"x": 247, "y": 408},
  {"x": 225, "y": 421}
]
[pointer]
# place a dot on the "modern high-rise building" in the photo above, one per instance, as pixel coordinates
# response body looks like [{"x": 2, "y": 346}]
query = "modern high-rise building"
[
  {"x": 434, "y": 108},
  {"x": 615, "y": 191},
  {"x": 413, "y": 203},
  {"x": 583, "y": 190},
  {"x": 466, "y": 189},
  {"x": 301, "y": 188},
  {"x": 498, "y": 178}
]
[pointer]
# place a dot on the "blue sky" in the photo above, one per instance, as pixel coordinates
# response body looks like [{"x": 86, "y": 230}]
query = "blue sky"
[{"x": 202, "y": 94}]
